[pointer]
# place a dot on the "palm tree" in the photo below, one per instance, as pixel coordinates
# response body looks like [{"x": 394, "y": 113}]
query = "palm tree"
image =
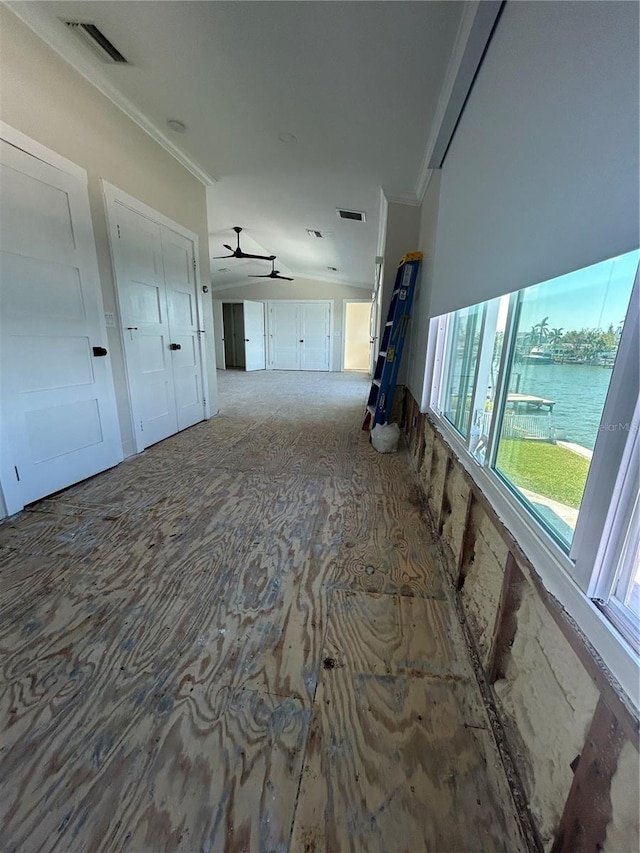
[
  {"x": 542, "y": 328},
  {"x": 555, "y": 335}
]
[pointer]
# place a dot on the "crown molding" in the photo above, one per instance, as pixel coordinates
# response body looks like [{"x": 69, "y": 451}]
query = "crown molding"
[
  {"x": 61, "y": 42},
  {"x": 403, "y": 198}
]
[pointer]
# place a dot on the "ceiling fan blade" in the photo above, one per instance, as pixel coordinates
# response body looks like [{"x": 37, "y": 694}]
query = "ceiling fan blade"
[
  {"x": 227, "y": 246},
  {"x": 284, "y": 277},
  {"x": 260, "y": 276},
  {"x": 220, "y": 257},
  {"x": 255, "y": 257}
]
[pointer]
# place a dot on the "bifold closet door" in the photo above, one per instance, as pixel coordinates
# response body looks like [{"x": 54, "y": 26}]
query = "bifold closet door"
[
  {"x": 158, "y": 305},
  {"x": 300, "y": 335},
  {"x": 59, "y": 421},
  {"x": 178, "y": 258}
]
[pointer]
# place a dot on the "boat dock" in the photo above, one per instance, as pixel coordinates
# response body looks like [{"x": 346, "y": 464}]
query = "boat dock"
[{"x": 531, "y": 401}]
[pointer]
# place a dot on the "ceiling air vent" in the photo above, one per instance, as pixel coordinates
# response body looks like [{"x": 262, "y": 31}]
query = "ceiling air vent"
[
  {"x": 313, "y": 233},
  {"x": 356, "y": 215},
  {"x": 97, "y": 41}
]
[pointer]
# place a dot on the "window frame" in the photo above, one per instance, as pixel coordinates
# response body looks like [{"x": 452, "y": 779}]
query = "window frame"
[{"x": 444, "y": 384}]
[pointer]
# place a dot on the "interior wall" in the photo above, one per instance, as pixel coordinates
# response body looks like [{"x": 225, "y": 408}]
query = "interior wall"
[
  {"x": 542, "y": 174},
  {"x": 416, "y": 353},
  {"x": 47, "y": 100},
  {"x": 403, "y": 223},
  {"x": 301, "y": 289}
]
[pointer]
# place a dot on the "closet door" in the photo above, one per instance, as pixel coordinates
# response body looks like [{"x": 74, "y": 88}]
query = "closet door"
[
  {"x": 145, "y": 321},
  {"x": 314, "y": 325},
  {"x": 178, "y": 258},
  {"x": 284, "y": 336},
  {"x": 300, "y": 335},
  {"x": 57, "y": 405},
  {"x": 156, "y": 284},
  {"x": 254, "y": 337}
]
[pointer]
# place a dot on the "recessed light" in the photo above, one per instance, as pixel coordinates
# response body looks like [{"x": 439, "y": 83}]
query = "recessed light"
[
  {"x": 287, "y": 138},
  {"x": 176, "y": 125}
]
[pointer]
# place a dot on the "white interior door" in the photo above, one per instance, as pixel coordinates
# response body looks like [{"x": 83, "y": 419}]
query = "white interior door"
[
  {"x": 157, "y": 292},
  {"x": 145, "y": 320},
  {"x": 218, "y": 334},
  {"x": 283, "y": 336},
  {"x": 314, "y": 325},
  {"x": 178, "y": 256},
  {"x": 58, "y": 419},
  {"x": 254, "y": 336}
]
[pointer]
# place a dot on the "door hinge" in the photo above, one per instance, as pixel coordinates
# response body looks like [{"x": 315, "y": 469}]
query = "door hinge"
[
  {"x": 118, "y": 229},
  {"x": 204, "y": 402},
  {"x": 15, "y": 468},
  {"x": 141, "y": 427},
  {"x": 194, "y": 264}
]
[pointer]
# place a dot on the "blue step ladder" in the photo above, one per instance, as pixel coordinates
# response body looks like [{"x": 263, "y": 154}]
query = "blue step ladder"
[{"x": 385, "y": 376}]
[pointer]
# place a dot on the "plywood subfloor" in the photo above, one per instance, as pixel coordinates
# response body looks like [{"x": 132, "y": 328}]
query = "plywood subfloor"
[{"x": 240, "y": 641}]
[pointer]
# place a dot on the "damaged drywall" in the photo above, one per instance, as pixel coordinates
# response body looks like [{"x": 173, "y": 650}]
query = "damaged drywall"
[
  {"x": 624, "y": 828},
  {"x": 549, "y": 699},
  {"x": 483, "y": 584},
  {"x": 455, "y": 504},
  {"x": 544, "y": 695},
  {"x": 439, "y": 463}
]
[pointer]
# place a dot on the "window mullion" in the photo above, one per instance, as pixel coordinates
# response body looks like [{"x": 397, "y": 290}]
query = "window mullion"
[
  {"x": 508, "y": 349},
  {"x": 483, "y": 366}
]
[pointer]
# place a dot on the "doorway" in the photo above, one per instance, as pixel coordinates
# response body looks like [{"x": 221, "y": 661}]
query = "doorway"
[
  {"x": 357, "y": 335},
  {"x": 239, "y": 335},
  {"x": 233, "y": 335}
]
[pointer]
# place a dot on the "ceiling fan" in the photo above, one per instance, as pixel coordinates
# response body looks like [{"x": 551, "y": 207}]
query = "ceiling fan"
[
  {"x": 274, "y": 272},
  {"x": 238, "y": 253}
]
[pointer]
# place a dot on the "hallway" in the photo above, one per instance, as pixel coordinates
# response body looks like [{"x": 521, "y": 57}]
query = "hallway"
[{"x": 241, "y": 640}]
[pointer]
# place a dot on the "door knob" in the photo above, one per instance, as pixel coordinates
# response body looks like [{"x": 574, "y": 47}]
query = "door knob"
[
  {"x": 301, "y": 341},
  {"x": 175, "y": 346},
  {"x": 98, "y": 352},
  {"x": 246, "y": 340}
]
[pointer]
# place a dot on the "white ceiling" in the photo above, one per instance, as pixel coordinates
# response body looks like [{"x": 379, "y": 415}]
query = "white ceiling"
[{"x": 357, "y": 84}]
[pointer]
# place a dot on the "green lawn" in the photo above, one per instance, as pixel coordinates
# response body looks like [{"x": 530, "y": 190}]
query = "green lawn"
[{"x": 552, "y": 471}]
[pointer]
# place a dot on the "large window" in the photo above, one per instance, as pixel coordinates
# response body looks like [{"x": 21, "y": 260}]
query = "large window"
[
  {"x": 564, "y": 345},
  {"x": 524, "y": 380}
]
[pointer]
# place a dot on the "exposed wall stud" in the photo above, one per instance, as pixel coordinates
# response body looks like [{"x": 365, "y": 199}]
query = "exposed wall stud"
[
  {"x": 506, "y": 624},
  {"x": 588, "y": 810}
]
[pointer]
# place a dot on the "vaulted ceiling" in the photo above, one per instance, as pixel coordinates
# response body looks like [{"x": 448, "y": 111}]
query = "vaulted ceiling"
[{"x": 294, "y": 108}]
